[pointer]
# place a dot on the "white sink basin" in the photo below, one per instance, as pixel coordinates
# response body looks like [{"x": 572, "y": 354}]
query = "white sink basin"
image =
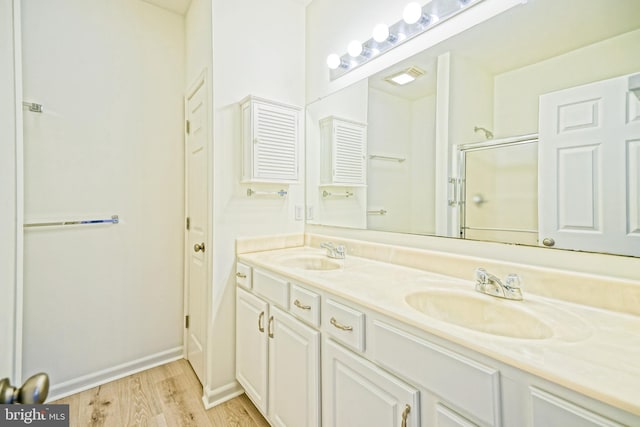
[
  {"x": 481, "y": 313},
  {"x": 310, "y": 262}
]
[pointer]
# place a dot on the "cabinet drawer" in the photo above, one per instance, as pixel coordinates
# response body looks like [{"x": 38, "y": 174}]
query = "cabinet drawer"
[
  {"x": 470, "y": 386},
  {"x": 243, "y": 275},
  {"x": 273, "y": 288},
  {"x": 552, "y": 411},
  {"x": 344, "y": 323},
  {"x": 305, "y": 304}
]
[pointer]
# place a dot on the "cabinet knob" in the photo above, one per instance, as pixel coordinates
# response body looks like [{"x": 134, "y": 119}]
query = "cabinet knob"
[
  {"x": 198, "y": 247},
  {"x": 548, "y": 241}
]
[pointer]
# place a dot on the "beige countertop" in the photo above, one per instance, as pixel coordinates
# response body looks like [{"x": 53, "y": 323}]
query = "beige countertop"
[{"x": 593, "y": 351}]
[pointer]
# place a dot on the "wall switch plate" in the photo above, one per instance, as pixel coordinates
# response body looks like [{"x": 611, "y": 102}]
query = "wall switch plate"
[
  {"x": 310, "y": 211},
  {"x": 298, "y": 212}
]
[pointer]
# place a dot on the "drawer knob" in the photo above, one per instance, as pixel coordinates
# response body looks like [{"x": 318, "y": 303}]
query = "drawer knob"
[
  {"x": 241, "y": 275},
  {"x": 301, "y": 306},
  {"x": 405, "y": 415},
  {"x": 340, "y": 326}
]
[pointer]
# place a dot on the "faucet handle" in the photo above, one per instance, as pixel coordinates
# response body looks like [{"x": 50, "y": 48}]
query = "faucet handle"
[
  {"x": 340, "y": 250},
  {"x": 513, "y": 281},
  {"x": 481, "y": 275}
]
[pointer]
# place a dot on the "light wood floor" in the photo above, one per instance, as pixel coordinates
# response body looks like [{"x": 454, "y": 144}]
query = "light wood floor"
[{"x": 167, "y": 396}]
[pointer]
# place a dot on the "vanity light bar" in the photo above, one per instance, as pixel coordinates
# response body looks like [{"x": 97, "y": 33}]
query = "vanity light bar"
[{"x": 416, "y": 20}]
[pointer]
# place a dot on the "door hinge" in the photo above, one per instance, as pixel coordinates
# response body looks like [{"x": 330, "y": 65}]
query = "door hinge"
[
  {"x": 188, "y": 126},
  {"x": 186, "y": 322},
  {"x": 188, "y": 223}
]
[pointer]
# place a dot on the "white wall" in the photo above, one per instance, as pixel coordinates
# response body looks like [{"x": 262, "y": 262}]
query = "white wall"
[
  {"x": 8, "y": 182},
  {"x": 110, "y": 75},
  {"x": 389, "y": 134},
  {"x": 517, "y": 92},
  {"x": 422, "y": 165},
  {"x": 351, "y": 104},
  {"x": 258, "y": 49}
]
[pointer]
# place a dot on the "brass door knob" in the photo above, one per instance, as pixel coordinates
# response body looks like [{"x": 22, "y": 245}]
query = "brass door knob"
[
  {"x": 33, "y": 391},
  {"x": 198, "y": 247}
]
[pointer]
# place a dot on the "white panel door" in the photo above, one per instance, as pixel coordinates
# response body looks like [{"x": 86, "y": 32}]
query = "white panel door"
[
  {"x": 197, "y": 225},
  {"x": 588, "y": 168},
  {"x": 294, "y": 372},
  {"x": 357, "y": 393},
  {"x": 251, "y": 346}
]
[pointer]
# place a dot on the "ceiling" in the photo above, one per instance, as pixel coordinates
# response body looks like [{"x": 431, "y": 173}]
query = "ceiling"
[
  {"x": 178, "y": 6},
  {"x": 181, "y": 6}
]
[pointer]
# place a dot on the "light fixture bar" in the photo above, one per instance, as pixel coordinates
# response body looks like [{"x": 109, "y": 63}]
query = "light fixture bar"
[{"x": 433, "y": 13}]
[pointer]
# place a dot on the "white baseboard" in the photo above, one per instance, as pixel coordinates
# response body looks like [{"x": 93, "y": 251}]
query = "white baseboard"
[
  {"x": 220, "y": 395},
  {"x": 104, "y": 376}
]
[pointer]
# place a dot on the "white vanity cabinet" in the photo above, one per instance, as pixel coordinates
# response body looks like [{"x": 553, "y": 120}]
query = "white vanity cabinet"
[
  {"x": 277, "y": 355},
  {"x": 378, "y": 370}
]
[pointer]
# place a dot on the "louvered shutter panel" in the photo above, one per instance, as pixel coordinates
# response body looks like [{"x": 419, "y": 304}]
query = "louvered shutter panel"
[
  {"x": 344, "y": 151},
  {"x": 271, "y": 142}
]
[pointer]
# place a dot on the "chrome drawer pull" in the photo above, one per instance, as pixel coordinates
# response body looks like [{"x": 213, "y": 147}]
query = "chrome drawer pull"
[
  {"x": 241, "y": 275},
  {"x": 405, "y": 415},
  {"x": 335, "y": 323},
  {"x": 298, "y": 304}
]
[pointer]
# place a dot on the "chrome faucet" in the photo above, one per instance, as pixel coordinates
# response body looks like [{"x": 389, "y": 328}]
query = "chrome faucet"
[
  {"x": 489, "y": 284},
  {"x": 334, "y": 251}
]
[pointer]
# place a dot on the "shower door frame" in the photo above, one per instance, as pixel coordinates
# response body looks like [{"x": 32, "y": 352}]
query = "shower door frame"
[{"x": 457, "y": 199}]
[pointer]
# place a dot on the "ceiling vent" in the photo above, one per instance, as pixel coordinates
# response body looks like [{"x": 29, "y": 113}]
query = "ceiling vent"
[{"x": 405, "y": 76}]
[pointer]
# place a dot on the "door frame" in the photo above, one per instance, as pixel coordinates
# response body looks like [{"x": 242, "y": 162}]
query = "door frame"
[
  {"x": 12, "y": 280},
  {"x": 200, "y": 81}
]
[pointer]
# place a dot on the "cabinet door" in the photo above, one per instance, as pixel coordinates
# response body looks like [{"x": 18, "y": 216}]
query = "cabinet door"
[
  {"x": 251, "y": 346},
  {"x": 358, "y": 393},
  {"x": 344, "y": 150},
  {"x": 294, "y": 372}
]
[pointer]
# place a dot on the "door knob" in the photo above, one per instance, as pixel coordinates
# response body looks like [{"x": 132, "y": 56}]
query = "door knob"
[
  {"x": 548, "y": 241},
  {"x": 198, "y": 247},
  {"x": 34, "y": 390}
]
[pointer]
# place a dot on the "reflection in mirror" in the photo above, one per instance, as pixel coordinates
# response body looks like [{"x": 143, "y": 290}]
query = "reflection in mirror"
[{"x": 524, "y": 129}]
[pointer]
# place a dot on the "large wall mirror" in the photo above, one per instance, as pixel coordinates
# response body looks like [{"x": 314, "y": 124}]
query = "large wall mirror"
[{"x": 524, "y": 129}]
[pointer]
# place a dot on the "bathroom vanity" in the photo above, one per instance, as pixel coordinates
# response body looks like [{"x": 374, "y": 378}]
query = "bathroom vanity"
[{"x": 368, "y": 341}]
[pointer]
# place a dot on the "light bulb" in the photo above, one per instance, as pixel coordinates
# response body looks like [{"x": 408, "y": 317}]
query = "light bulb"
[
  {"x": 412, "y": 13},
  {"x": 355, "y": 48},
  {"x": 333, "y": 61},
  {"x": 381, "y": 33}
]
